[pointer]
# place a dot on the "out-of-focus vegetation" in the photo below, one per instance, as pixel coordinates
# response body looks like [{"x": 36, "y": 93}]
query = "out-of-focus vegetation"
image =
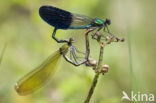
[{"x": 29, "y": 43}]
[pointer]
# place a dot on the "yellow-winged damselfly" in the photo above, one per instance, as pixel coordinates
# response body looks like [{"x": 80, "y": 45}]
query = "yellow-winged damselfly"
[{"x": 40, "y": 75}]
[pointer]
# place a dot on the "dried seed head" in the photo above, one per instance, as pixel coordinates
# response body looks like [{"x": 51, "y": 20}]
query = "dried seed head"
[
  {"x": 105, "y": 68},
  {"x": 92, "y": 62},
  {"x": 107, "y": 37},
  {"x": 98, "y": 34},
  {"x": 123, "y": 39}
]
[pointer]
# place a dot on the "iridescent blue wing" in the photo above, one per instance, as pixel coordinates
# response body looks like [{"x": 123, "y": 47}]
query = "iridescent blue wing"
[
  {"x": 62, "y": 19},
  {"x": 56, "y": 17}
]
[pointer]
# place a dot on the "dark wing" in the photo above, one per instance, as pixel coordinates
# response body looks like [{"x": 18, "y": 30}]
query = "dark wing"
[
  {"x": 62, "y": 19},
  {"x": 56, "y": 17}
]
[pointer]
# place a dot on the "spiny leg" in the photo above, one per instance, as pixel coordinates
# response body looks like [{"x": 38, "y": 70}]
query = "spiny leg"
[
  {"x": 93, "y": 35},
  {"x": 58, "y": 41}
]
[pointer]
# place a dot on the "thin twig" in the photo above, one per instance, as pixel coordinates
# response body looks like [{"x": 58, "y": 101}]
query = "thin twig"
[
  {"x": 99, "y": 66},
  {"x": 95, "y": 80},
  {"x": 91, "y": 91}
]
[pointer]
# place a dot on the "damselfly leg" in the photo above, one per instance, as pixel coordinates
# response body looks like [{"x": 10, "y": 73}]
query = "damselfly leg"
[{"x": 76, "y": 57}]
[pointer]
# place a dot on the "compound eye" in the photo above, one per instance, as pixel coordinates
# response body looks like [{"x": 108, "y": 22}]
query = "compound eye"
[{"x": 108, "y": 21}]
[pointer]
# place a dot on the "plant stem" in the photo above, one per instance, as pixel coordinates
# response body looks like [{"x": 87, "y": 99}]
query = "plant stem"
[
  {"x": 90, "y": 93},
  {"x": 100, "y": 59},
  {"x": 95, "y": 80}
]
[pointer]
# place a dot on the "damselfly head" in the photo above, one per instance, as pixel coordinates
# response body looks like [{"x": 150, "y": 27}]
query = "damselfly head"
[
  {"x": 107, "y": 22},
  {"x": 71, "y": 40}
]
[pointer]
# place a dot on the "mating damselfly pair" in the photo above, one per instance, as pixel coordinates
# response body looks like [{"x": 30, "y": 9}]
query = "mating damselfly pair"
[{"x": 59, "y": 19}]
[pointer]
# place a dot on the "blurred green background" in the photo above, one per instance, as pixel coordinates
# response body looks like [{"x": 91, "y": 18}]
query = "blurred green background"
[{"x": 29, "y": 42}]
